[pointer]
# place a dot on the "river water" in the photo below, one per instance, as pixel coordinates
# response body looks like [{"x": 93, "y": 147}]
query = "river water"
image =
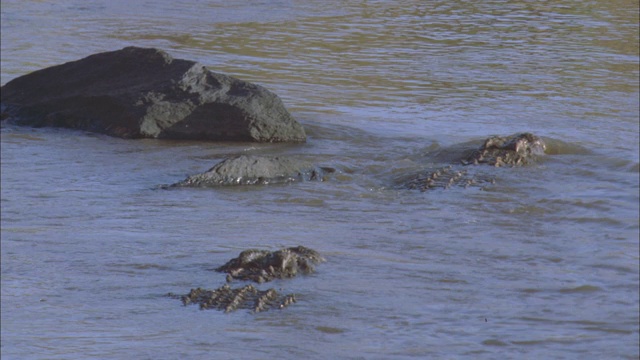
[{"x": 542, "y": 264}]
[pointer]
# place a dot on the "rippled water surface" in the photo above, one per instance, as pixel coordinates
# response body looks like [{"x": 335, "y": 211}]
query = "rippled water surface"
[{"x": 541, "y": 264}]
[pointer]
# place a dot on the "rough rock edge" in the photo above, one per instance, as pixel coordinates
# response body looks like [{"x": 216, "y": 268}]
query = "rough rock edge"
[
  {"x": 256, "y": 170},
  {"x": 144, "y": 92}
]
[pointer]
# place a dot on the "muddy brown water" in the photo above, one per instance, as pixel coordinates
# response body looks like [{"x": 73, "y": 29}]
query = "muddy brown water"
[{"x": 542, "y": 264}]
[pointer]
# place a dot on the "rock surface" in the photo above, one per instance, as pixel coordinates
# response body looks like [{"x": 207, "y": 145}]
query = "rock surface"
[
  {"x": 142, "y": 92},
  {"x": 250, "y": 170},
  {"x": 262, "y": 265}
]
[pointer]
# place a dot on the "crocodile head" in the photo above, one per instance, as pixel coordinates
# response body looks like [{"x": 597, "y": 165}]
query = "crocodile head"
[{"x": 513, "y": 150}]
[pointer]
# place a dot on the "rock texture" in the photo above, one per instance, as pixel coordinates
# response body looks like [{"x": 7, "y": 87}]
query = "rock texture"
[
  {"x": 250, "y": 170},
  {"x": 141, "y": 92}
]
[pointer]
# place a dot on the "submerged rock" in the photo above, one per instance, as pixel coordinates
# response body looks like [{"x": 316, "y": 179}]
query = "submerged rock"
[
  {"x": 145, "y": 93},
  {"x": 227, "y": 299},
  {"x": 250, "y": 170},
  {"x": 262, "y": 265},
  {"x": 516, "y": 150}
]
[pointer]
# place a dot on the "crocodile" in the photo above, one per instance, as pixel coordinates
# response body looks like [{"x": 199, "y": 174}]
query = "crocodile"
[
  {"x": 228, "y": 299},
  {"x": 258, "y": 266},
  {"x": 516, "y": 150},
  {"x": 444, "y": 178},
  {"x": 262, "y": 265}
]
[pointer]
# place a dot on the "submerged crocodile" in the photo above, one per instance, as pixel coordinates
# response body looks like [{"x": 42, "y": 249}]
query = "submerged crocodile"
[
  {"x": 262, "y": 265},
  {"x": 517, "y": 150},
  {"x": 228, "y": 299},
  {"x": 258, "y": 266}
]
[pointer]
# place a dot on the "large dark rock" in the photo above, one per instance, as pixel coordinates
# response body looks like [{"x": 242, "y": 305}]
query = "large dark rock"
[
  {"x": 260, "y": 170},
  {"x": 138, "y": 92}
]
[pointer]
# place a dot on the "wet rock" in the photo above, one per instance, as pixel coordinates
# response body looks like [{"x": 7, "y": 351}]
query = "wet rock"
[
  {"x": 251, "y": 170},
  {"x": 145, "y": 93},
  {"x": 227, "y": 299},
  {"x": 262, "y": 265}
]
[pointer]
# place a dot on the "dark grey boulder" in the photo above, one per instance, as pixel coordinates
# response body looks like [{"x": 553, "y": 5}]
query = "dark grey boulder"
[
  {"x": 250, "y": 170},
  {"x": 145, "y": 93}
]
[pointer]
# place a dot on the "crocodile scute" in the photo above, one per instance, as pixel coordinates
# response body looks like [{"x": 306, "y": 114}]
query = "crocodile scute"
[{"x": 227, "y": 299}]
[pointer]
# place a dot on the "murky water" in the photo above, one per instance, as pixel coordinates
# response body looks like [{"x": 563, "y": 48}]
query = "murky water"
[{"x": 543, "y": 264}]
